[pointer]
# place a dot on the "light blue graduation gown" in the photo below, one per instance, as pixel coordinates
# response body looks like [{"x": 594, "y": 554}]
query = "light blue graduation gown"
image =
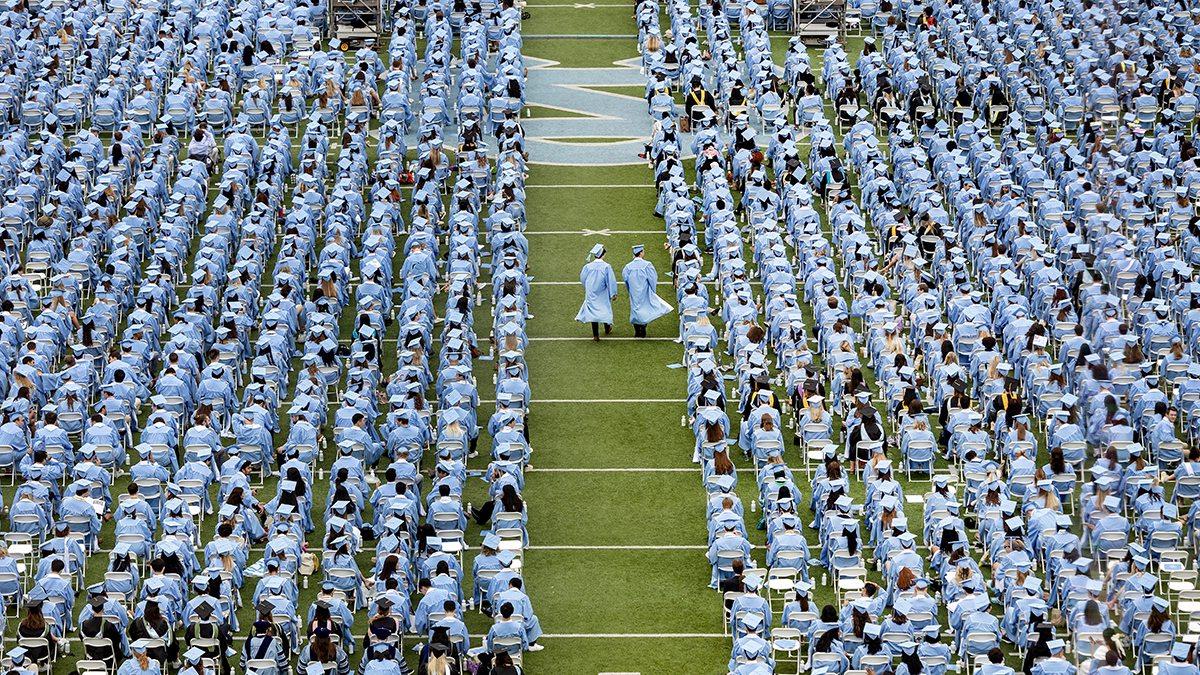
[
  {"x": 641, "y": 280},
  {"x": 599, "y": 288}
]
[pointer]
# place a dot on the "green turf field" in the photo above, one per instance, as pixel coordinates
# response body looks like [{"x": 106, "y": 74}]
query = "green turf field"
[
  {"x": 581, "y": 52},
  {"x": 535, "y": 111},
  {"x": 616, "y": 566},
  {"x": 590, "y": 139},
  {"x": 633, "y": 91},
  {"x": 566, "y": 19}
]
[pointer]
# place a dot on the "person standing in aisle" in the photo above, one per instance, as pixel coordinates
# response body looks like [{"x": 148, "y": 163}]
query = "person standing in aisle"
[
  {"x": 641, "y": 280},
  {"x": 599, "y": 289}
]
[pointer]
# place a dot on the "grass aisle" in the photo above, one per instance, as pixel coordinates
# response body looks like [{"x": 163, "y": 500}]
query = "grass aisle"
[{"x": 616, "y": 566}]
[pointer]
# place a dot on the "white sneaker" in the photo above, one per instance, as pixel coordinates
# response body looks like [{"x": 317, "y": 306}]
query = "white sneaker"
[{"x": 535, "y": 647}]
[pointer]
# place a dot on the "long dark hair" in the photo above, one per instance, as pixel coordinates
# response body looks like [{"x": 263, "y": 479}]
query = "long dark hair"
[
  {"x": 293, "y": 474},
  {"x": 511, "y": 500},
  {"x": 825, "y": 642},
  {"x": 1156, "y": 620},
  {"x": 34, "y": 620},
  {"x": 390, "y": 563},
  {"x": 858, "y": 622},
  {"x": 321, "y": 648},
  {"x": 151, "y": 614},
  {"x": 851, "y": 541},
  {"x": 913, "y": 661}
]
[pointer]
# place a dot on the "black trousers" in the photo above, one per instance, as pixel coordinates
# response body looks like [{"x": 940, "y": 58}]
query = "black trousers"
[
  {"x": 484, "y": 513},
  {"x": 639, "y": 330}
]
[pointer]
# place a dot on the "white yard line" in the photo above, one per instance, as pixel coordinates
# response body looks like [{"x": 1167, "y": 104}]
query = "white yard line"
[
  {"x": 594, "y": 400},
  {"x": 596, "y": 233},
  {"x": 392, "y": 341},
  {"x": 575, "y": 5},
  {"x": 685, "y": 547},
  {"x": 660, "y": 283},
  {"x": 632, "y": 636},
  {"x": 588, "y": 339},
  {"x": 631, "y": 469},
  {"x": 607, "y": 400},
  {"x": 578, "y": 36},
  {"x": 590, "y": 186}
]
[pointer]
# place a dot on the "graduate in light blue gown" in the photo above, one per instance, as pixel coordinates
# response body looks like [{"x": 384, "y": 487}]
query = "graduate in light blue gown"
[
  {"x": 1179, "y": 663},
  {"x": 641, "y": 280},
  {"x": 599, "y": 289}
]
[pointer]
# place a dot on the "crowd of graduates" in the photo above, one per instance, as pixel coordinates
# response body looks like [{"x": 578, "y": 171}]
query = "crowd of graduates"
[
  {"x": 215, "y": 380},
  {"x": 961, "y": 259}
]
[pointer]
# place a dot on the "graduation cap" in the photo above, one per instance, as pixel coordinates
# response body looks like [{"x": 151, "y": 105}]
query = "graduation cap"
[
  {"x": 194, "y": 655},
  {"x": 1180, "y": 651}
]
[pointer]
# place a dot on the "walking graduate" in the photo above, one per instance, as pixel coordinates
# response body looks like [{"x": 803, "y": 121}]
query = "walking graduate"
[
  {"x": 641, "y": 280},
  {"x": 599, "y": 289}
]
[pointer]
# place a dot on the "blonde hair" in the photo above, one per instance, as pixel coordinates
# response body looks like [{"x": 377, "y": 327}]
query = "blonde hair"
[
  {"x": 815, "y": 411},
  {"x": 1052, "y": 501},
  {"x": 438, "y": 665}
]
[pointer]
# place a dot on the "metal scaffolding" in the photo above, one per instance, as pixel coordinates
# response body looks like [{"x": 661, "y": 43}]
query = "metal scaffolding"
[
  {"x": 813, "y": 20},
  {"x": 353, "y": 22}
]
